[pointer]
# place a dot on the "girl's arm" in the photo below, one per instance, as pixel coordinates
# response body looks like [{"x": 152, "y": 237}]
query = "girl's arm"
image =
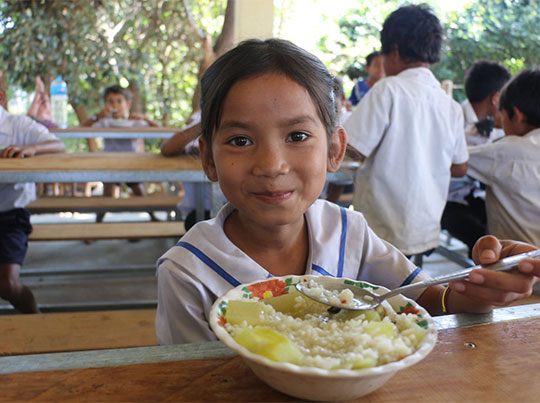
[
  {"x": 176, "y": 144},
  {"x": 485, "y": 289}
]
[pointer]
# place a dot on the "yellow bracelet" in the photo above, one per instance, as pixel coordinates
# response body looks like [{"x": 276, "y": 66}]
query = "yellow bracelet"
[{"x": 443, "y": 299}]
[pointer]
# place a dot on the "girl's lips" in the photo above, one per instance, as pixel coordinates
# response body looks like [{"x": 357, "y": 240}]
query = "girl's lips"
[{"x": 273, "y": 197}]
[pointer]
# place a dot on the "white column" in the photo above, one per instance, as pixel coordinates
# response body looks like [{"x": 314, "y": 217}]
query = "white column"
[{"x": 253, "y": 19}]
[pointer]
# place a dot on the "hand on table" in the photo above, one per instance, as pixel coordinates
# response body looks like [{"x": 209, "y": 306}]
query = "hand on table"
[
  {"x": 16, "y": 151},
  {"x": 486, "y": 287}
]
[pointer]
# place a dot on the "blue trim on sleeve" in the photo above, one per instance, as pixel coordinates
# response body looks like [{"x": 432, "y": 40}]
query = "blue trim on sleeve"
[
  {"x": 342, "y": 242},
  {"x": 411, "y": 277},
  {"x": 210, "y": 263},
  {"x": 319, "y": 269}
]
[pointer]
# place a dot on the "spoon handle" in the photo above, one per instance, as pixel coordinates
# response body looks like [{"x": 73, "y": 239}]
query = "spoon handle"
[{"x": 505, "y": 264}]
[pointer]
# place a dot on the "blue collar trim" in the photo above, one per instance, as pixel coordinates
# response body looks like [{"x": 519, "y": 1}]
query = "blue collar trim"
[
  {"x": 210, "y": 263},
  {"x": 411, "y": 277}
]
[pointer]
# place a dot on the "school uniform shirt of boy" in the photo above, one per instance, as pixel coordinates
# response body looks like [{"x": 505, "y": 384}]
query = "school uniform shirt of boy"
[
  {"x": 23, "y": 131},
  {"x": 510, "y": 168},
  {"x": 410, "y": 132},
  {"x": 120, "y": 145},
  {"x": 205, "y": 264}
]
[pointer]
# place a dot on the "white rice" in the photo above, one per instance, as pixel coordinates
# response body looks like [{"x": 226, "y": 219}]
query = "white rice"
[{"x": 338, "y": 341}]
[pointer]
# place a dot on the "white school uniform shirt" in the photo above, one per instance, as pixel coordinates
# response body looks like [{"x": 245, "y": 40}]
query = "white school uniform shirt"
[
  {"x": 120, "y": 145},
  {"x": 411, "y": 132},
  {"x": 510, "y": 168},
  {"x": 205, "y": 264},
  {"x": 22, "y": 131}
]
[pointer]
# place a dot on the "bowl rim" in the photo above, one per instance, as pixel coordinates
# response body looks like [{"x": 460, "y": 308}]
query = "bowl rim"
[{"x": 426, "y": 345}]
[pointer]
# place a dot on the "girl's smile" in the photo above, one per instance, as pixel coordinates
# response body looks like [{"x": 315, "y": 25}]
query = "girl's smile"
[{"x": 269, "y": 152}]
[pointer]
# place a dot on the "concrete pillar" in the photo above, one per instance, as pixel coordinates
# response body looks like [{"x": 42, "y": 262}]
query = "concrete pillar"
[{"x": 253, "y": 19}]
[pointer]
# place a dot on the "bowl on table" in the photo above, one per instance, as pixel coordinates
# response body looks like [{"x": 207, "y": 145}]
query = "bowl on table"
[{"x": 310, "y": 382}]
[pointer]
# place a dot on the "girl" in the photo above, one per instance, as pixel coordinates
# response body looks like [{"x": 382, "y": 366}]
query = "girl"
[{"x": 269, "y": 136}]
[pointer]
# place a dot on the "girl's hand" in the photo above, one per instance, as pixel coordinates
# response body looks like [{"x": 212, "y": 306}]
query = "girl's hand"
[{"x": 489, "y": 288}]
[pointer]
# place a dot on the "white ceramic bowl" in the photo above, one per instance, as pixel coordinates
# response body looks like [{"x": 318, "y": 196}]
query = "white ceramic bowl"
[{"x": 309, "y": 382}]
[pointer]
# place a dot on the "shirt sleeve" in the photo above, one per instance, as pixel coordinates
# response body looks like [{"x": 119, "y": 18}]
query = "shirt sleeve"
[
  {"x": 180, "y": 316},
  {"x": 461, "y": 155},
  {"x": 31, "y": 132},
  {"x": 482, "y": 163},
  {"x": 369, "y": 121}
]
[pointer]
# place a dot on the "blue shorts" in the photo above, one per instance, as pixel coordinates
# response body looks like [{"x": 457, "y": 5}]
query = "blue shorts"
[{"x": 14, "y": 230}]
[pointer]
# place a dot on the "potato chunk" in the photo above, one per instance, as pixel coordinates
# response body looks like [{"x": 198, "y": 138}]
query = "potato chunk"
[
  {"x": 250, "y": 311},
  {"x": 269, "y": 343}
]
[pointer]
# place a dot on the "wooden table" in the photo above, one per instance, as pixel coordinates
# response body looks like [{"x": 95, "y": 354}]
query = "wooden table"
[
  {"x": 109, "y": 167},
  {"x": 478, "y": 358}
]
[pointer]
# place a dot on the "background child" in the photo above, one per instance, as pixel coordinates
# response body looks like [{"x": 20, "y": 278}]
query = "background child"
[
  {"x": 116, "y": 113},
  {"x": 375, "y": 70},
  {"x": 464, "y": 216},
  {"x": 510, "y": 167},
  {"x": 20, "y": 137},
  {"x": 186, "y": 141},
  {"x": 269, "y": 136},
  {"x": 410, "y": 134}
]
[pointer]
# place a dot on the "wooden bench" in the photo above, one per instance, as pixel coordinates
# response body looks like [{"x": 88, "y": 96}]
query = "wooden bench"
[
  {"x": 61, "y": 332},
  {"x": 95, "y": 231},
  {"x": 103, "y": 204}
]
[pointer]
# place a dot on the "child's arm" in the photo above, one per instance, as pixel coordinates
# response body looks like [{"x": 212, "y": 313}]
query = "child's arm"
[
  {"x": 459, "y": 170},
  {"x": 176, "y": 144},
  {"x": 138, "y": 116},
  {"x": 93, "y": 119},
  {"x": 46, "y": 147},
  {"x": 484, "y": 289}
]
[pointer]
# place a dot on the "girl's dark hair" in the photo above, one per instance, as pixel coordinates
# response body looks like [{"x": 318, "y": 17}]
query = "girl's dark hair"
[
  {"x": 255, "y": 57},
  {"x": 483, "y": 79},
  {"x": 415, "y": 31},
  {"x": 523, "y": 92},
  {"x": 117, "y": 89}
]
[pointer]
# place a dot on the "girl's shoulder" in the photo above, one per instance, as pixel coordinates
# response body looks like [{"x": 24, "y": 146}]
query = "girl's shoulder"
[{"x": 325, "y": 216}]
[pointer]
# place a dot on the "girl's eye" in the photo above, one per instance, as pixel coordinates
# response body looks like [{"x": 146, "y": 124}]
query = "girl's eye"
[
  {"x": 240, "y": 141},
  {"x": 297, "y": 136}
]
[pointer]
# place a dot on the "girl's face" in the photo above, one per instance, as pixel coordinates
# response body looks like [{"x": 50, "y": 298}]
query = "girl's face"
[{"x": 270, "y": 152}]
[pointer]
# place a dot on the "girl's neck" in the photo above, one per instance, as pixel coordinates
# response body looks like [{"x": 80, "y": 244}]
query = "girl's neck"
[{"x": 281, "y": 251}]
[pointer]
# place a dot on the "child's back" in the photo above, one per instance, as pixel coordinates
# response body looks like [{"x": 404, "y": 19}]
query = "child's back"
[
  {"x": 410, "y": 133},
  {"x": 510, "y": 167}
]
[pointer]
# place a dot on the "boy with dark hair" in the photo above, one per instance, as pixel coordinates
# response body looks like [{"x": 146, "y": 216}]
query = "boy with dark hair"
[
  {"x": 375, "y": 70},
  {"x": 20, "y": 137},
  {"x": 464, "y": 216},
  {"x": 510, "y": 167},
  {"x": 409, "y": 133},
  {"x": 483, "y": 83},
  {"x": 116, "y": 113}
]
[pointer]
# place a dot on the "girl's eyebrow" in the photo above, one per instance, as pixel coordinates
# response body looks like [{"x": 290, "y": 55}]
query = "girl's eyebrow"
[
  {"x": 236, "y": 124},
  {"x": 298, "y": 120}
]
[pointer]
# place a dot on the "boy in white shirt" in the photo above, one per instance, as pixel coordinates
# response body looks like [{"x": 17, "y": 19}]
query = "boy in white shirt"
[
  {"x": 409, "y": 133},
  {"x": 20, "y": 137},
  {"x": 464, "y": 216},
  {"x": 510, "y": 167}
]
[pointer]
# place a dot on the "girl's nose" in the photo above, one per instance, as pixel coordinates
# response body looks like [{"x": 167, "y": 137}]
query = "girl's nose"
[{"x": 270, "y": 161}]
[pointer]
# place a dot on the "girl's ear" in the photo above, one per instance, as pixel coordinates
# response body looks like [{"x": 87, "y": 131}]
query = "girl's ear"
[
  {"x": 338, "y": 145},
  {"x": 207, "y": 160}
]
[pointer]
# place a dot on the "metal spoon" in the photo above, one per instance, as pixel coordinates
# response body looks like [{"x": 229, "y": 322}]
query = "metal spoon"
[{"x": 364, "y": 299}]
